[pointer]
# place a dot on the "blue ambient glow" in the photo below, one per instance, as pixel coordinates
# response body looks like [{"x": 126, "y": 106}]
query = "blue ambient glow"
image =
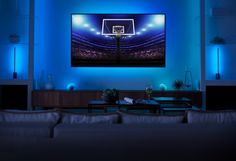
[
  {"x": 70, "y": 86},
  {"x": 19, "y": 62},
  {"x": 212, "y": 60},
  {"x": 163, "y": 87},
  {"x": 55, "y": 44}
]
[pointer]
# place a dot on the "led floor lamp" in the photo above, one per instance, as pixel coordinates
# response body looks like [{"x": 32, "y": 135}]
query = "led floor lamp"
[
  {"x": 14, "y": 72},
  {"x": 14, "y": 38},
  {"x": 218, "y": 41},
  {"x": 218, "y": 64}
]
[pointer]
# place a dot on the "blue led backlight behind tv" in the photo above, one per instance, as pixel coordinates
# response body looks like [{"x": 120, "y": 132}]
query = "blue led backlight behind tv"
[{"x": 118, "y": 40}]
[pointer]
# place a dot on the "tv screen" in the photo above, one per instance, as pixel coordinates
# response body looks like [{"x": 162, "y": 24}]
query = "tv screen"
[{"x": 128, "y": 40}]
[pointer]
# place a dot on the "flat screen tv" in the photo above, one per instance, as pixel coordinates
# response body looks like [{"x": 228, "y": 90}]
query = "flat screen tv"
[{"x": 118, "y": 40}]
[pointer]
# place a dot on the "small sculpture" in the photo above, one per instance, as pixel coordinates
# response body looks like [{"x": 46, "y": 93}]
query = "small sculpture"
[{"x": 163, "y": 87}]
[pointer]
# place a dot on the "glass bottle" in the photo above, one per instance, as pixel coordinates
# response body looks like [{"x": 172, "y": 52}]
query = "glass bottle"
[
  {"x": 148, "y": 91},
  {"x": 49, "y": 83},
  {"x": 41, "y": 81},
  {"x": 188, "y": 80}
]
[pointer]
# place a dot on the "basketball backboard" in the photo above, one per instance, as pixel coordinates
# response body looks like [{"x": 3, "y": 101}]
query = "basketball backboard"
[{"x": 114, "y": 27}]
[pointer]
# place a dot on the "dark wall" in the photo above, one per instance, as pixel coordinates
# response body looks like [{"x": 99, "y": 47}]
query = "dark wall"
[
  {"x": 220, "y": 97},
  {"x": 13, "y": 97}
]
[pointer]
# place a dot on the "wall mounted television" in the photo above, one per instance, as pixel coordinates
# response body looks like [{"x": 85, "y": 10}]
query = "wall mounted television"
[{"x": 118, "y": 40}]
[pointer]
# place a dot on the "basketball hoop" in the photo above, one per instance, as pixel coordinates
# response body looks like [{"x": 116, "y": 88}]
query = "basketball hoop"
[
  {"x": 118, "y": 30},
  {"x": 118, "y": 34},
  {"x": 118, "y": 27}
]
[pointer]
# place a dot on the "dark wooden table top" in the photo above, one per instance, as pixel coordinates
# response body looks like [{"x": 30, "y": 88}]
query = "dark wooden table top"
[
  {"x": 124, "y": 103},
  {"x": 171, "y": 99}
]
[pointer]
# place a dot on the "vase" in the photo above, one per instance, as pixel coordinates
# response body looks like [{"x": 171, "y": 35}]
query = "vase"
[
  {"x": 148, "y": 91},
  {"x": 198, "y": 85},
  {"x": 41, "y": 81},
  {"x": 188, "y": 80},
  {"x": 49, "y": 83}
]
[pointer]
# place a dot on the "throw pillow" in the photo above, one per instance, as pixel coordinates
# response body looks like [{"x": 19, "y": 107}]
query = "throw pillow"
[
  {"x": 132, "y": 118},
  {"x": 76, "y": 118},
  {"x": 211, "y": 117},
  {"x": 47, "y": 116}
]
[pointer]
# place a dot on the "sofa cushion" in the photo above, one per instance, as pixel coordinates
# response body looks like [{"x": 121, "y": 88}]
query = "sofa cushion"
[
  {"x": 211, "y": 117},
  {"x": 26, "y": 129},
  {"x": 116, "y": 142},
  {"x": 131, "y": 118},
  {"x": 47, "y": 116},
  {"x": 76, "y": 118}
]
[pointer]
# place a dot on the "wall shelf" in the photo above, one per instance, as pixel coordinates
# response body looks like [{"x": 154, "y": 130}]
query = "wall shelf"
[
  {"x": 14, "y": 96},
  {"x": 220, "y": 82},
  {"x": 14, "y": 82},
  {"x": 80, "y": 98}
]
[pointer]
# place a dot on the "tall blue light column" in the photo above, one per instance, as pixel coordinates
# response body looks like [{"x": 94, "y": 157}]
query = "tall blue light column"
[
  {"x": 14, "y": 72},
  {"x": 218, "y": 41},
  {"x": 218, "y": 64}
]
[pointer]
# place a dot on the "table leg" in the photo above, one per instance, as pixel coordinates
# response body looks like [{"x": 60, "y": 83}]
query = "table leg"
[
  {"x": 105, "y": 109},
  {"x": 89, "y": 109}
]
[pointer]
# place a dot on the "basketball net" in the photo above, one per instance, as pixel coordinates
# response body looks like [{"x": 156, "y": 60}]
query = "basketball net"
[{"x": 118, "y": 34}]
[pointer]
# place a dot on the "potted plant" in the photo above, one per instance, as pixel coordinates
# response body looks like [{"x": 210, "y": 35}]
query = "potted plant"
[
  {"x": 110, "y": 95},
  {"x": 217, "y": 40},
  {"x": 148, "y": 91},
  {"x": 178, "y": 84}
]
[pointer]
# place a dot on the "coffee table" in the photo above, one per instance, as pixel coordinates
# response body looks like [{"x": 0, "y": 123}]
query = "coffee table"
[
  {"x": 173, "y": 103},
  {"x": 150, "y": 105},
  {"x": 184, "y": 101}
]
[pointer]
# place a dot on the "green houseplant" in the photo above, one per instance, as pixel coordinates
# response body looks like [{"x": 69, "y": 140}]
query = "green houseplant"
[
  {"x": 217, "y": 40},
  {"x": 178, "y": 84},
  {"x": 110, "y": 95}
]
